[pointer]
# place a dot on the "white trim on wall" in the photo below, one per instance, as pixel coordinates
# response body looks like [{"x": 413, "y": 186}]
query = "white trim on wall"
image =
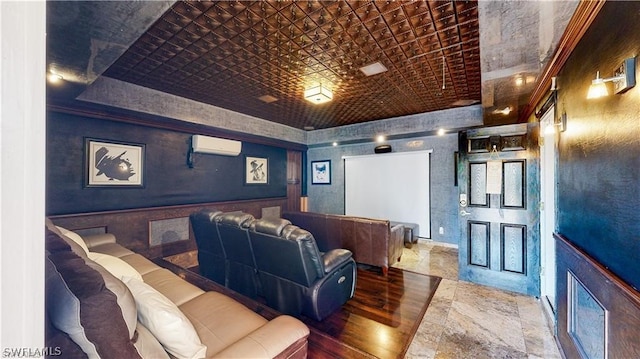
[{"x": 22, "y": 174}]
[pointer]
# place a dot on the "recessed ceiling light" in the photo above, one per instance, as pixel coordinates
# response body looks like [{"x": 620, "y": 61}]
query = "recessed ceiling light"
[
  {"x": 380, "y": 138},
  {"x": 308, "y": 128},
  {"x": 373, "y": 69},
  {"x": 267, "y": 99},
  {"x": 441, "y": 132}
]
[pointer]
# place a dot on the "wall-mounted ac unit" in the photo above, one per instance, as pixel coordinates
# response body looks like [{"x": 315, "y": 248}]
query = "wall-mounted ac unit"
[{"x": 216, "y": 146}]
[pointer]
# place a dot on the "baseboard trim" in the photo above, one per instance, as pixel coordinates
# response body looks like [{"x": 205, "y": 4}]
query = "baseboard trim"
[{"x": 436, "y": 243}]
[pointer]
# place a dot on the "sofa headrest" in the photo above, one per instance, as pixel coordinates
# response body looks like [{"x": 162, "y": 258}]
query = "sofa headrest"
[
  {"x": 295, "y": 233},
  {"x": 211, "y": 214},
  {"x": 236, "y": 219},
  {"x": 286, "y": 231},
  {"x": 272, "y": 226}
]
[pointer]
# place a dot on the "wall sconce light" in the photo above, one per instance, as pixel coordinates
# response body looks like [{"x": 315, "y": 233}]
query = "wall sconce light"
[
  {"x": 318, "y": 94},
  {"x": 54, "y": 78},
  {"x": 624, "y": 78},
  {"x": 560, "y": 125}
]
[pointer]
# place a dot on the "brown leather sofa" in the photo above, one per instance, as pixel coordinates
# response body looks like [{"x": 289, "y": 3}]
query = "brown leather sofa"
[
  {"x": 93, "y": 309},
  {"x": 372, "y": 241}
]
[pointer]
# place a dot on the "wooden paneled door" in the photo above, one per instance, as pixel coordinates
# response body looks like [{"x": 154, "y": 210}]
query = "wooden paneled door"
[
  {"x": 294, "y": 180},
  {"x": 498, "y": 183}
]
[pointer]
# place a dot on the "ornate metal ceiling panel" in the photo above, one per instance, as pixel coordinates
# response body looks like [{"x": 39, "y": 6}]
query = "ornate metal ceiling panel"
[{"x": 232, "y": 53}]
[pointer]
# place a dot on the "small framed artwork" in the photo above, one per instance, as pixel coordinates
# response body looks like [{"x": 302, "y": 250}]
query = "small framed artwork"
[
  {"x": 256, "y": 170},
  {"x": 321, "y": 172},
  {"x": 113, "y": 164}
]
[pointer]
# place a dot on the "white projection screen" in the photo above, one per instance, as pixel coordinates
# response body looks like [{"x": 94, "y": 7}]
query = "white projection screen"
[{"x": 393, "y": 186}]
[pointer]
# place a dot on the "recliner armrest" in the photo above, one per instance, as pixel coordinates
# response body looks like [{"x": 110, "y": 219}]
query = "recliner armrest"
[
  {"x": 281, "y": 334},
  {"x": 334, "y": 258}
]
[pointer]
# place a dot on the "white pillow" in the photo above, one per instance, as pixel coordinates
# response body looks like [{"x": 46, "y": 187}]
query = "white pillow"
[
  {"x": 147, "y": 345},
  {"x": 167, "y": 323},
  {"x": 116, "y": 266},
  {"x": 74, "y": 237}
]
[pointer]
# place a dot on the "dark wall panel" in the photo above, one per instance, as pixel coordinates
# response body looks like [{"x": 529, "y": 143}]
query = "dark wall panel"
[
  {"x": 586, "y": 330},
  {"x": 599, "y": 154},
  {"x": 168, "y": 179}
]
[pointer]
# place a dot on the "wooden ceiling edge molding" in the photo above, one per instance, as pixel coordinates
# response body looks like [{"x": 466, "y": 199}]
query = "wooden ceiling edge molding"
[
  {"x": 585, "y": 14},
  {"x": 166, "y": 123}
]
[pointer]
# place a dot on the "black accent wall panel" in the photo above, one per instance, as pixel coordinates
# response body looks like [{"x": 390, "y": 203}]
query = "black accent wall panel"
[{"x": 168, "y": 179}]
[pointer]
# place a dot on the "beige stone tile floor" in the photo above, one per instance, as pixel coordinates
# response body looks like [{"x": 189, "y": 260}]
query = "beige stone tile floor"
[{"x": 466, "y": 320}]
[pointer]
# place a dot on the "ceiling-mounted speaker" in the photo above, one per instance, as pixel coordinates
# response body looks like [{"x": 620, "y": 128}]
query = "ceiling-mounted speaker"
[{"x": 382, "y": 149}]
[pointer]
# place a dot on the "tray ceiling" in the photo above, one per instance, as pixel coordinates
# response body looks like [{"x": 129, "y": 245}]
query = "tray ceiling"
[
  {"x": 230, "y": 54},
  {"x": 257, "y": 57}
]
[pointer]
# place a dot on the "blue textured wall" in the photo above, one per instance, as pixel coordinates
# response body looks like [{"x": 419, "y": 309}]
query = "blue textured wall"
[
  {"x": 422, "y": 124},
  {"x": 167, "y": 178},
  {"x": 599, "y": 154},
  {"x": 330, "y": 198},
  {"x": 353, "y": 140},
  {"x": 408, "y": 133}
]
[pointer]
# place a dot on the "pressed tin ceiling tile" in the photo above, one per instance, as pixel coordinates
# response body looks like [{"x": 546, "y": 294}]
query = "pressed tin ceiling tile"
[{"x": 230, "y": 53}]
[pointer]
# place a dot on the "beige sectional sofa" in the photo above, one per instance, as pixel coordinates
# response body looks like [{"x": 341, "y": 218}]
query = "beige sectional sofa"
[{"x": 192, "y": 323}]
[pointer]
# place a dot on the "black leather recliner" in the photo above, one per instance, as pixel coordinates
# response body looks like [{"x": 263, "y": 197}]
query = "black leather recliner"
[
  {"x": 242, "y": 275},
  {"x": 211, "y": 256},
  {"x": 296, "y": 277}
]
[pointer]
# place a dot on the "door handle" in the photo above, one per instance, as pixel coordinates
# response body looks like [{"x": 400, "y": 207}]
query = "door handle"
[{"x": 465, "y": 213}]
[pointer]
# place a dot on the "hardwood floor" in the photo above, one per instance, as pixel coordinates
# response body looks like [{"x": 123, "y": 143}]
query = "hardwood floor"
[
  {"x": 382, "y": 317},
  {"x": 378, "y": 322},
  {"x": 463, "y": 320}
]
